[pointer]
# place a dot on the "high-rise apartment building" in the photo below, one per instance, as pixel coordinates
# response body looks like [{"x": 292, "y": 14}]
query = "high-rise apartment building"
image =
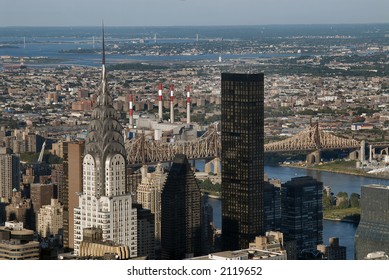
[
  {"x": 372, "y": 233},
  {"x": 149, "y": 196},
  {"x": 72, "y": 168},
  {"x": 271, "y": 207},
  {"x": 145, "y": 238},
  {"x": 134, "y": 178},
  {"x": 57, "y": 178},
  {"x": 9, "y": 172},
  {"x": 180, "y": 212},
  {"x": 104, "y": 202},
  {"x": 41, "y": 194},
  {"x": 302, "y": 214},
  {"x": 242, "y": 137},
  {"x": 20, "y": 209},
  {"x": 50, "y": 219},
  {"x": 208, "y": 229}
]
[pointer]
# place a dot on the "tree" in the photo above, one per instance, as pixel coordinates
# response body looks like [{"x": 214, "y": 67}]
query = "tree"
[
  {"x": 342, "y": 200},
  {"x": 29, "y": 157},
  {"x": 52, "y": 159},
  {"x": 327, "y": 201},
  {"x": 207, "y": 185},
  {"x": 354, "y": 200},
  {"x": 342, "y": 194}
]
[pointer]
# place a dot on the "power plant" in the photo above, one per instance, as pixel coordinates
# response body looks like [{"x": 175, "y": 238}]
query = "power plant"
[
  {"x": 160, "y": 105},
  {"x": 155, "y": 127}
]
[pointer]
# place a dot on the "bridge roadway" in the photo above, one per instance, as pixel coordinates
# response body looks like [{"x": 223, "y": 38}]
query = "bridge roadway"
[{"x": 144, "y": 150}]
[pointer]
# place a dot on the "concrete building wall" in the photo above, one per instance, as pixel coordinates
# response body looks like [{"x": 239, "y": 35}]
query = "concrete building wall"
[
  {"x": 50, "y": 219},
  {"x": 75, "y": 153},
  {"x": 16, "y": 243},
  {"x": 9, "y": 174},
  {"x": 13, "y": 250}
]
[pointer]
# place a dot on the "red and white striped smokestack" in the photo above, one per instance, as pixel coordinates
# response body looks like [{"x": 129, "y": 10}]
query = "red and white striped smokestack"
[
  {"x": 188, "y": 103},
  {"x": 171, "y": 103},
  {"x": 160, "y": 102},
  {"x": 130, "y": 106}
]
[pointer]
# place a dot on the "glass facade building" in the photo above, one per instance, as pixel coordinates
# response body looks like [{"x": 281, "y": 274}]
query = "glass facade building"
[
  {"x": 242, "y": 137},
  {"x": 373, "y": 230},
  {"x": 302, "y": 213},
  {"x": 272, "y": 207},
  {"x": 180, "y": 212}
]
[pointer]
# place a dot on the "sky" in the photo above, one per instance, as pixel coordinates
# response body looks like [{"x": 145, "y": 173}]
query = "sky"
[{"x": 190, "y": 12}]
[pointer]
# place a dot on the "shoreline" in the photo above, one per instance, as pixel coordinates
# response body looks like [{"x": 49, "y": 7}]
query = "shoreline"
[
  {"x": 213, "y": 196},
  {"x": 338, "y": 171},
  {"x": 341, "y": 220}
]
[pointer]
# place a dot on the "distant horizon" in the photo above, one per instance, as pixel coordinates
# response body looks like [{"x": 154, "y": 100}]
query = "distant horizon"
[{"x": 206, "y": 25}]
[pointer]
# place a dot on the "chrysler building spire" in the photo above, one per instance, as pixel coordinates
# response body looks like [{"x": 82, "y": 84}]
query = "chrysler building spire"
[
  {"x": 103, "y": 77},
  {"x": 104, "y": 97}
]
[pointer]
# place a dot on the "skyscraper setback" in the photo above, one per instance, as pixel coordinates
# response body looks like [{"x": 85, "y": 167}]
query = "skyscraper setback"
[
  {"x": 242, "y": 136},
  {"x": 180, "y": 217},
  {"x": 104, "y": 201}
]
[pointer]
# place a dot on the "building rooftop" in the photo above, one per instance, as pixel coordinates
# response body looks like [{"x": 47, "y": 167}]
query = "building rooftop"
[
  {"x": 244, "y": 254},
  {"x": 16, "y": 228}
]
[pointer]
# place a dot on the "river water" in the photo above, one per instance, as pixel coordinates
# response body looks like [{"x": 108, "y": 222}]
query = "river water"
[
  {"x": 338, "y": 182},
  {"x": 52, "y": 51},
  {"x": 51, "y": 47}
]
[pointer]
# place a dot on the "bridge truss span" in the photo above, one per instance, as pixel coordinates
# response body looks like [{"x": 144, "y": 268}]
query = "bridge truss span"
[
  {"x": 312, "y": 139},
  {"x": 143, "y": 150}
]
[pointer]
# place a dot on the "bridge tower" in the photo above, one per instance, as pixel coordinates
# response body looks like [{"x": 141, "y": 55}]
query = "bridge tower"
[
  {"x": 314, "y": 157},
  {"x": 314, "y": 134},
  {"x": 216, "y": 163}
]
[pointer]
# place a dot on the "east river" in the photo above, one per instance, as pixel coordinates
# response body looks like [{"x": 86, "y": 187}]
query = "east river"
[{"x": 338, "y": 183}]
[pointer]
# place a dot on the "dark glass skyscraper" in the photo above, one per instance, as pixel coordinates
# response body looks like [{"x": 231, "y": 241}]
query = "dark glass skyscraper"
[
  {"x": 373, "y": 230},
  {"x": 271, "y": 207},
  {"x": 242, "y": 135},
  {"x": 302, "y": 213},
  {"x": 180, "y": 212}
]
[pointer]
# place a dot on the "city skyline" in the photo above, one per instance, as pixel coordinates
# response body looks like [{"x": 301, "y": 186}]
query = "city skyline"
[
  {"x": 191, "y": 13},
  {"x": 311, "y": 80}
]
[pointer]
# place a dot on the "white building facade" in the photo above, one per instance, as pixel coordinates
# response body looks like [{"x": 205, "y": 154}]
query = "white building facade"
[
  {"x": 50, "y": 219},
  {"x": 104, "y": 202},
  {"x": 149, "y": 195}
]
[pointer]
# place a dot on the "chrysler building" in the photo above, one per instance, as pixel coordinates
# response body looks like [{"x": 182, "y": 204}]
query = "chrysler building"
[{"x": 104, "y": 202}]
